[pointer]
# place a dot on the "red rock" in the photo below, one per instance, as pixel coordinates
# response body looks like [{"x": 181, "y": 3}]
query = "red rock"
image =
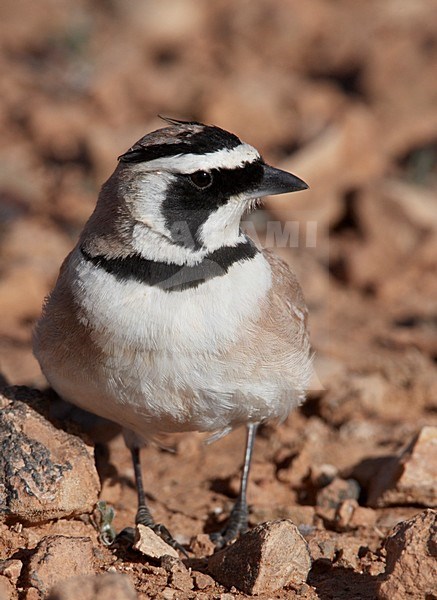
[
  {"x": 201, "y": 545},
  {"x": 45, "y": 472},
  {"x": 97, "y": 587},
  {"x": 33, "y": 594},
  {"x": 178, "y": 574},
  {"x": 411, "y": 559},
  {"x": 344, "y": 513},
  {"x": 7, "y": 590},
  {"x": 363, "y": 517},
  {"x": 263, "y": 560},
  {"x": 331, "y": 496},
  {"x": 57, "y": 558},
  {"x": 150, "y": 544},
  {"x": 352, "y": 394},
  {"x": 347, "y": 554},
  {"x": 202, "y": 580},
  {"x": 168, "y": 593},
  {"x": 411, "y": 477},
  {"x": 323, "y": 545},
  {"x": 323, "y": 475},
  {"x": 11, "y": 569}
]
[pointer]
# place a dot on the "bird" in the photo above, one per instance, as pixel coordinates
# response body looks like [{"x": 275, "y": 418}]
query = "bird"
[{"x": 166, "y": 317}]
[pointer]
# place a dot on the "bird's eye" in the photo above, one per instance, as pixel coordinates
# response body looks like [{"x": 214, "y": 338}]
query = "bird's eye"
[{"x": 201, "y": 179}]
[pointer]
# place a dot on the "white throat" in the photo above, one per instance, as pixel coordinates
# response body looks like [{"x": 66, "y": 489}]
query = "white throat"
[
  {"x": 222, "y": 227},
  {"x": 152, "y": 245}
]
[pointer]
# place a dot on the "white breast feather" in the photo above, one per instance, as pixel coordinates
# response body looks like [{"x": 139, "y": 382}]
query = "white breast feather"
[
  {"x": 162, "y": 366},
  {"x": 205, "y": 319}
]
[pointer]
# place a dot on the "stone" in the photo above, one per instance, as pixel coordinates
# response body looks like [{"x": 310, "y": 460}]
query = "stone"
[
  {"x": 353, "y": 394},
  {"x": 264, "y": 560},
  {"x": 202, "y": 580},
  {"x": 58, "y": 557},
  {"x": 411, "y": 559},
  {"x": 179, "y": 576},
  {"x": 306, "y": 592},
  {"x": 151, "y": 545},
  {"x": 388, "y": 518},
  {"x": 323, "y": 545},
  {"x": 7, "y": 590},
  {"x": 344, "y": 514},
  {"x": 323, "y": 475},
  {"x": 201, "y": 545},
  {"x": 363, "y": 517},
  {"x": 339, "y": 490},
  {"x": 45, "y": 472},
  {"x": 11, "y": 569},
  {"x": 95, "y": 587},
  {"x": 347, "y": 556},
  {"x": 411, "y": 477},
  {"x": 331, "y": 498},
  {"x": 349, "y": 516}
]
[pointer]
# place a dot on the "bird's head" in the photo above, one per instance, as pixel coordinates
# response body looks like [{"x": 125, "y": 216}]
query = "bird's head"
[{"x": 191, "y": 183}]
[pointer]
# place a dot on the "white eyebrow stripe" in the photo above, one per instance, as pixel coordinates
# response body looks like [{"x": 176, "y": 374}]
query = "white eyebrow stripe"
[{"x": 220, "y": 159}]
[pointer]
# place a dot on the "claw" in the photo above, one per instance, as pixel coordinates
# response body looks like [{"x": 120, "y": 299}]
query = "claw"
[
  {"x": 128, "y": 535},
  {"x": 236, "y": 524},
  {"x": 165, "y": 535},
  {"x": 225, "y": 536}
]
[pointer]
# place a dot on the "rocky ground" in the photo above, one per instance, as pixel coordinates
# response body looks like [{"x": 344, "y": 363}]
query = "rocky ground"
[{"x": 344, "y": 95}]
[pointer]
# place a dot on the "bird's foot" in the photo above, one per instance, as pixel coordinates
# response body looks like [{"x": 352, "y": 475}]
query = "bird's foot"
[
  {"x": 164, "y": 534},
  {"x": 236, "y": 524},
  {"x": 143, "y": 517}
]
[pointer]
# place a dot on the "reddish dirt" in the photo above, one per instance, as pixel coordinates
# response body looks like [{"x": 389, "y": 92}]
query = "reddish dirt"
[{"x": 344, "y": 95}]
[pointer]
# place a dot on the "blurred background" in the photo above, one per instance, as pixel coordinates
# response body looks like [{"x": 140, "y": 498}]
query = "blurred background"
[{"x": 341, "y": 92}]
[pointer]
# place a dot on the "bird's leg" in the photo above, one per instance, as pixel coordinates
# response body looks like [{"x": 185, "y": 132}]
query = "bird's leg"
[
  {"x": 143, "y": 516},
  {"x": 238, "y": 519}
]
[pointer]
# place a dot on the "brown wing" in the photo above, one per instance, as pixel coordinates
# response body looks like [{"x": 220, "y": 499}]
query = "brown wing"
[
  {"x": 275, "y": 346},
  {"x": 286, "y": 294}
]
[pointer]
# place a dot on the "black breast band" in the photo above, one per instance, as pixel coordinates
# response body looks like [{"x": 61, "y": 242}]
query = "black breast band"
[{"x": 169, "y": 276}]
